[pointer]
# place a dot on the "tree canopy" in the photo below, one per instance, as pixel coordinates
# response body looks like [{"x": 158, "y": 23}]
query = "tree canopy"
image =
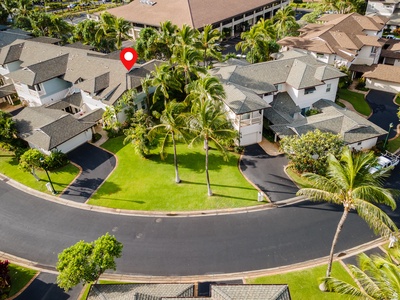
[{"x": 85, "y": 262}]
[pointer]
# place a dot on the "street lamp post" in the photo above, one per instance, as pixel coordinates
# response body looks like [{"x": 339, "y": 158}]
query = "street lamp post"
[
  {"x": 48, "y": 176},
  {"x": 387, "y": 136}
]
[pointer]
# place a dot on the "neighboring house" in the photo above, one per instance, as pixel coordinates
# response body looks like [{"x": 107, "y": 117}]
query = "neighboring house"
[
  {"x": 356, "y": 131},
  {"x": 234, "y": 15},
  {"x": 387, "y": 8},
  {"x": 341, "y": 39},
  {"x": 384, "y": 78},
  {"x": 252, "y": 87},
  {"x": 49, "y": 129},
  {"x": 390, "y": 54},
  {"x": 161, "y": 291},
  {"x": 72, "y": 80}
]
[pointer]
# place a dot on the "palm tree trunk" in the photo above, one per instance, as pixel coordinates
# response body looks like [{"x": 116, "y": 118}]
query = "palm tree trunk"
[
  {"x": 208, "y": 177},
  {"x": 205, "y": 58},
  {"x": 335, "y": 239},
  {"x": 177, "y": 179}
]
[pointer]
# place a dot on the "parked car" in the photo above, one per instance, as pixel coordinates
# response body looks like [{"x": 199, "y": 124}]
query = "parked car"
[
  {"x": 71, "y": 5},
  {"x": 391, "y": 37},
  {"x": 386, "y": 160}
]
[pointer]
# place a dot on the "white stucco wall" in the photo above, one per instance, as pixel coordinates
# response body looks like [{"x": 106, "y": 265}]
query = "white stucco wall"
[
  {"x": 380, "y": 85},
  {"x": 365, "y": 57},
  {"x": 75, "y": 141},
  {"x": 367, "y": 144},
  {"x": 251, "y": 134}
]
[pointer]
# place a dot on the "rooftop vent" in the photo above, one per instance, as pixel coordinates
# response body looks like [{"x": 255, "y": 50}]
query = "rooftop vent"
[{"x": 148, "y": 2}]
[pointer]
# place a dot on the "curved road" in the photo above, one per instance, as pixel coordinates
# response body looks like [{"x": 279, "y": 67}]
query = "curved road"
[{"x": 36, "y": 229}]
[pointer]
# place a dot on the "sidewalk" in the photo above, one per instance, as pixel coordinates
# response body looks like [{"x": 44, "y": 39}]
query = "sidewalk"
[{"x": 271, "y": 149}]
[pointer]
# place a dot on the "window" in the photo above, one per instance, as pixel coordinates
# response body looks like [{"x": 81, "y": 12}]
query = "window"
[
  {"x": 373, "y": 50},
  {"x": 328, "y": 87},
  {"x": 320, "y": 55},
  {"x": 278, "y": 86},
  {"x": 309, "y": 90},
  {"x": 38, "y": 87}
]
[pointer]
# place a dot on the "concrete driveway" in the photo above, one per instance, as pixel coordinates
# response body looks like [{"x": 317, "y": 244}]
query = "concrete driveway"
[
  {"x": 96, "y": 165},
  {"x": 267, "y": 173},
  {"x": 384, "y": 110}
]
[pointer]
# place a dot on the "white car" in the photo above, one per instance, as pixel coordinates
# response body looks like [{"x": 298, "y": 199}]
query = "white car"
[{"x": 385, "y": 161}]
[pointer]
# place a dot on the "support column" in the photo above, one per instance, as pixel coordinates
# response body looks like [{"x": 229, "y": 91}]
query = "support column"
[{"x": 233, "y": 28}]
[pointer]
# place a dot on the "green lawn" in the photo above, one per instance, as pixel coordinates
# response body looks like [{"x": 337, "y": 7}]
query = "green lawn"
[
  {"x": 61, "y": 178},
  {"x": 393, "y": 145},
  {"x": 357, "y": 100},
  {"x": 19, "y": 277},
  {"x": 148, "y": 184},
  {"x": 301, "y": 182},
  {"x": 304, "y": 284}
]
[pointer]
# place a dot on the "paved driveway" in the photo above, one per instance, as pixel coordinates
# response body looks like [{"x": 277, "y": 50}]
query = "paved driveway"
[
  {"x": 96, "y": 165},
  {"x": 384, "y": 110},
  {"x": 266, "y": 172}
]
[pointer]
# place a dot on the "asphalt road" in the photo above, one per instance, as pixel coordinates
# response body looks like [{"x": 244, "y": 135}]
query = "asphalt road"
[
  {"x": 38, "y": 230},
  {"x": 384, "y": 110}
]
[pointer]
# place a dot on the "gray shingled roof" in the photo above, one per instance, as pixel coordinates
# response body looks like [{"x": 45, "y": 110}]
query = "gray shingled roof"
[
  {"x": 7, "y": 90},
  {"x": 10, "y": 35},
  {"x": 253, "y": 292},
  {"x": 48, "y": 128},
  {"x": 140, "y": 71},
  {"x": 10, "y": 53},
  {"x": 139, "y": 291},
  {"x": 74, "y": 100},
  {"x": 242, "y": 100},
  {"x": 332, "y": 118},
  {"x": 93, "y": 116},
  {"x": 42, "y": 71}
]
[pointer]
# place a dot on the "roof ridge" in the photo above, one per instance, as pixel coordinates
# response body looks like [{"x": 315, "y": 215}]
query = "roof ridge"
[{"x": 191, "y": 14}]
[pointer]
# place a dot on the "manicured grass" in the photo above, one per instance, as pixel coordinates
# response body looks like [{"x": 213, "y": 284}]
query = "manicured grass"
[
  {"x": 86, "y": 292},
  {"x": 61, "y": 178},
  {"x": 19, "y": 277},
  {"x": 148, "y": 184},
  {"x": 393, "y": 145},
  {"x": 301, "y": 182},
  {"x": 304, "y": 284},
  {"x": 357, "y": 100},
  {"x": 397, "y": 100}
]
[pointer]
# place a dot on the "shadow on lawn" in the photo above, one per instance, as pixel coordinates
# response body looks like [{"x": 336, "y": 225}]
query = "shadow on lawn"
[
  {"x": 195, "y": 161},
  {"x": 219, "y": 185}
]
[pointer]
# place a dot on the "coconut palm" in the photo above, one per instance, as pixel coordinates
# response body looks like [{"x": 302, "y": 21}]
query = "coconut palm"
[
  {"x": 173, "y": 128},
  {"x": 349, "y": 183},
  {"x": 205, "y": 88},
  {"x": 208, "y": 39},
  {"x": 166, "y": 38},
  {"x": 113, "y": 29},
  {"x": 9, "y": 7},
  {"x": 164, "y": 81},
  {"x": 266, "y": 27},
  {"x": 379, "y": 278},
  {"x": 255, "y": 44},
  {"x": 186, "y": 36},
  {"x": 208, "y": 123},
  {"x": 285, "y": 21},
  {"x": 185, "y": 60}
]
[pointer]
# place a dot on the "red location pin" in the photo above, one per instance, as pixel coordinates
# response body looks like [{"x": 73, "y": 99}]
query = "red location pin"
[{"x": 128, "y": 57}]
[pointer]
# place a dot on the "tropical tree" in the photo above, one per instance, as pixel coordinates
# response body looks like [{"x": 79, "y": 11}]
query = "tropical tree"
[
  {"x": 185, "y": 60},
  {"x": 49, "y": 25},
  {"x": 166, "y": 37},
  {"x": 209, "y": 124},
  {"x": 8, "y": 130},
  {"x": 208, "y": 43},
  {"x": 254, "y": 45},
  {"x": 309, "y": 152},
  {"x": 350, "y": 184},
  {"x": 378, "y": 277},
  {"x": 85, "y": 262},
  {"x": 164, "y": 81},
  {"x": 113, "y": 30},
  {"x": 205, "y": 88},
  {"x": 173, "y": 128},
  {"x": 186, "y": 36},
  {"x": 9, "y": 7},
  {"x": 85, "y": 32},
  {"x": 146, "y": 45},
  {"x": 285, "y": 22},
  {"x": 345, "y": 6},
  {"x": 31, "y": 160}
]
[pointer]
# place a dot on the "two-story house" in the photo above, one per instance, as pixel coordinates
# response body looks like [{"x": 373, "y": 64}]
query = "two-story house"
[
  {"x": 282, "y": 92},
  {"x": 80, "y": 82},
  {"x": 386, "y": 8},
  {"x": 341, "y": 39}
]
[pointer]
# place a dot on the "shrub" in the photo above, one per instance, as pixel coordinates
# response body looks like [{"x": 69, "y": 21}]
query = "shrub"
[
  {"x": 5, "y": 280},
  {"x": 361, "y": 84},
  {"x": 56, "y": 160}
]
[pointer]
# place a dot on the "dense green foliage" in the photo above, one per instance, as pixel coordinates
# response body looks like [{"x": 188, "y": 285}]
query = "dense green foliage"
[
  {"x": 85, "y": 262},
  {"x": 5, "y": 280},
  {"x": 350, "y": 184},
  {"x": 309, "y": 152}
]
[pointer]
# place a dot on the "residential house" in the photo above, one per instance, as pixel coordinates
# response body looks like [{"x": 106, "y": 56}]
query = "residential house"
[
  {"x": 341, "y": 39},
  {"x": 74, "y": 80},
  {"x": 235, "y": 15},
  {"x": 387, "y": 8},
  {"x": 390, "y": 54},
  {"x": 283, "y": 91},
  {"x": 161, "y": 291},
  {"x": 383, "y": 78},
  {"x": 250, "y": 88}
]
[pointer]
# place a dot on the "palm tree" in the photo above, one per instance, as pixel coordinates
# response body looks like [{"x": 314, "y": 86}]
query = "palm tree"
[
  {"x": 379, "y": 278},
  {"x": 208, "y": 39},
  {"x": 208, "y": 123},
  {"x": 113, "y": 29},
  {"x": 284, "y": 21},
  {"x": 166, "y": 38},
  {"x": 349, "y": 183},
  {"x": 172, "y": 126},
  {"x": 267, "y": 28},
  {"x": 185, "y": 60},
  {"x": 205, "y": 88},
  {"x": 164, "y": 81},
  {"x": 9, "y": 7},
  {"x": 255, "y": 44},
  {"x": 186, "y": 36},
  {"x": 85, "y": 32}
]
